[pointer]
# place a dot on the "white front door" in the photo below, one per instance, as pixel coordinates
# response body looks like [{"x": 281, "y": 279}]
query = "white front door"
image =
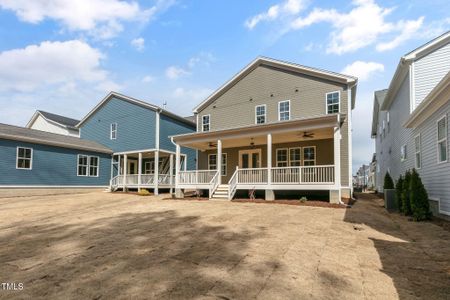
[{"x": 250, "y": 158}]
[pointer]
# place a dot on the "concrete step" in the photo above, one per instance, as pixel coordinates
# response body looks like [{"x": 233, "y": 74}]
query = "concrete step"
[{"x": 219, "y": 193}]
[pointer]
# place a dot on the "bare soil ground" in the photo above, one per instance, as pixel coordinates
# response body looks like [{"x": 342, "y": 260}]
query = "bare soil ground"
[{"x": 102, "y": 246}]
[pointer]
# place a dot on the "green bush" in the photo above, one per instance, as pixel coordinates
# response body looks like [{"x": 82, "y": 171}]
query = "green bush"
[
  {"x": 418, "y": 198},
  {"x": 398, "y": 193},
  {"x": 388, "y": 182},
  {"x": 303, "y": 199},
  {"x": 406, "y": 204}
]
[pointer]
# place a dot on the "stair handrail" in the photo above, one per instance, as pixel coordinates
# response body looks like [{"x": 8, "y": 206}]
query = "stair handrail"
[
  {"x": 232, "y": 184},
  {"x": 213, "y": 184}
]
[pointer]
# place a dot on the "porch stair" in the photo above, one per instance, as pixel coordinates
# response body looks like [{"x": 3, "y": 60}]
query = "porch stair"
[{"x": 221, "y": 193}]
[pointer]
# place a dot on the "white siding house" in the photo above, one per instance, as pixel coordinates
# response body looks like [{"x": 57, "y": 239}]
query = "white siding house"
[
  {"x": 404, "y": 138},
  {"x": 53, "y": 123}
]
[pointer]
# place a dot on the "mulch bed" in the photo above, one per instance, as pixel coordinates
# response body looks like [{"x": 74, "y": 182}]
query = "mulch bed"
[
  {"x": 292, "y": 202},
  {"x": 441, "y": 223}
]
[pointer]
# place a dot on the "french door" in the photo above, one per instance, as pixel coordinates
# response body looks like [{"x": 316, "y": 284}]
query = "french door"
[{"x": 250, "y": 158}]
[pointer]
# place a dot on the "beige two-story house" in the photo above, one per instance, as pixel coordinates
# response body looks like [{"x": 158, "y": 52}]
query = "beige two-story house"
[{"x": 274, "y": 127}]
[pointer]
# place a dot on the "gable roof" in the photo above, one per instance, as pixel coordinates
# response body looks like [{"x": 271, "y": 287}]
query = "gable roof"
[
  {"x": 378, "y": 99},
  {"x": 53, "y": 118},
  {"x": 136, "y": 102},
  {"x": 432, "y": 102},
  {"x": 405, "y": 62},
  {"x": 11, "y": 132},
  {"x": 333, "y": 76}
]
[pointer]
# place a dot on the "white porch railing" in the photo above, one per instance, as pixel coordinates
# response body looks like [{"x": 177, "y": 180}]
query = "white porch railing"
[
  {"x": 252, "y": 175},
  {"x": 303, "y": 175},
  {"x": 146, "y": 180},
  {"x": 196, "y": 177},
  {"x": 213, "y": 184},
  {"x": 232, "y": 185}
]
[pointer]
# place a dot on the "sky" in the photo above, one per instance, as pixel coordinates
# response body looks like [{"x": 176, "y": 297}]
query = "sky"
[{"x": 65, "y": 56}]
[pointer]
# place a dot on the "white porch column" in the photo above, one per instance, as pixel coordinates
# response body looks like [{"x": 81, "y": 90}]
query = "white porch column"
[
  {"x": 219, "y": 160},
  {"x": 178, "y": 192},
  {"x": 119, "y": 166},
  {"x": 139, "y": 171},
  {"x": 156, "y": 182},
  {"x": 125, "y": 171},
  {"x": 171, "y": 173},
  {"x": 269, "y": 158},
  {"x": 184, "y": 162},
  {"x": 337, "y": 160}
]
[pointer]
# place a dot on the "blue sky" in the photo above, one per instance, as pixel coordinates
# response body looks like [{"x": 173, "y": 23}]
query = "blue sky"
[{"x": 65, "y": 56}]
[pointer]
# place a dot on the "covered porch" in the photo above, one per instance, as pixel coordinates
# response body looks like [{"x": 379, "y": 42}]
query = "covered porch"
[
  {"x": 293, "y": 155},
  {"x": 137, "y": 169}
]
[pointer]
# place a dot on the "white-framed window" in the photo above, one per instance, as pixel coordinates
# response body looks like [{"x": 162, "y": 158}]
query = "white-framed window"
[
  {"x": 403, "y": 153},
  {"x": 87, "y": 165},
  {"x": 24, "y": 158},
  {"x": 418, "y": 151},
  {"x": 333, "y": 100},
  {"x": 282, "y": 159},
  {"x": 309, "y": 156},
  {"x": 442, "y": 139},
  {"x": 284, "y": 110},
  {"x": 295, "y": 157},
  {"x": 113, "y": 133},
  {"x": 260, "y": 114},
  {"x": 206, "y": 121},
  {"x": 212, "y": 163}
]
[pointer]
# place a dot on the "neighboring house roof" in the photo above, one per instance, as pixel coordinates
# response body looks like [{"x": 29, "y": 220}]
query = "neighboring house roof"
[
  {"x": 378, "y": 100},
  {"x": 332, "y": 76},
  {"x": 137, "y": 102},
  {"x": 405, "y": 62},
  {"x": 438, "y": 96},
  {"x": 54, "y": 118},
  {"x": 29, "y": 135},
  {"x": 191, "y": 118}
]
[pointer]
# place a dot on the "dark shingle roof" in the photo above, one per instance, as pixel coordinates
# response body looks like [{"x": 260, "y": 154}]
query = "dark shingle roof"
[
  {"x": 17, "y": 133},
  {"x": 69, "y": 122}
]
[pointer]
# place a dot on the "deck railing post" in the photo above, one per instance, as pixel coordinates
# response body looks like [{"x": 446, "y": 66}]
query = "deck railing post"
[{"x": 269, "y": 159}]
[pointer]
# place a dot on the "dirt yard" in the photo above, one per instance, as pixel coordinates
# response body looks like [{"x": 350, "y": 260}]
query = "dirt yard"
[{"x": 102, "y": 246}]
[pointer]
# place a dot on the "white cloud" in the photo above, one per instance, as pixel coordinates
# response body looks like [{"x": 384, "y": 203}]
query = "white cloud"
[
  {"x": 202, "y": 59},
  {"x": 288, "y": 7},
  {"x": 50, "y": 63},
  {"x": 365, "y": 24},
  {"x": 101, "y": 18},
  {"x": 138, "y": 44},
  {"x": 192, "y": 95},
  {"x": 408, "y": 30},
  {"x": 148, "y": 79},
  {"x": 362, "y": 69},
  {"x": 174, "y": 72}
]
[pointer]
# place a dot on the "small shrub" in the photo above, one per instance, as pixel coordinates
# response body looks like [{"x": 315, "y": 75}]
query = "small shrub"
[
  {"x": 388, "y": 182},
  {"x": 143, "y": 192},
  {"x": 398, "y": 193},
  {"x": 406, "y": 204},
  {"x": 418, "y": 196},
  {"x": 303, "y": 199}
]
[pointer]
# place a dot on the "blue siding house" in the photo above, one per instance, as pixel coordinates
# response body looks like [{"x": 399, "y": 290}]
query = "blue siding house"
[
  {"x": 34, "y": 158},
  {"x": 120, "y": 141}
]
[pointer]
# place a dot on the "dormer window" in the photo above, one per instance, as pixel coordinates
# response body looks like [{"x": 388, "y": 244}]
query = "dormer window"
[
  {"x": 333, "y": 102},
  {"x": 260, "y": 114},
  {"x": 206, "y": 123},
  {"x": 284, "y": 110}
]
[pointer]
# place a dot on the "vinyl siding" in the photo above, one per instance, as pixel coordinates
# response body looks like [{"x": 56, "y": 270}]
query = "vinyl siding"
[
  {"x": 324, "y": 154},
  {"x": 52, "y": 166},
  {"x": 234, "y": 108},
  {"x": 41, "y": 124},
  {"x": 135, "y": 126},
  {"x": 388, "y": 151},
  {"x": 169, "y": 127},
  {"x": 268, "y": 85},
  {"x": 429, "y": 71},
  {"x": 435, "y": 176}
]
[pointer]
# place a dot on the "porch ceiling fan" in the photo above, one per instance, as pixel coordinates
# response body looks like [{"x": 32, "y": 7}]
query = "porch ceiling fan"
[{"x": 307, "y": 135}]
